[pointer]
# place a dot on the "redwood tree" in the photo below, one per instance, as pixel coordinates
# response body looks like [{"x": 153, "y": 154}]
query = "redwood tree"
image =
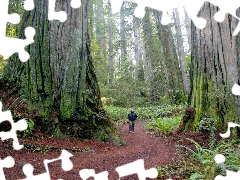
[
  {"x": 214, "y": 68},
  {"x": 59, "y": 79}
]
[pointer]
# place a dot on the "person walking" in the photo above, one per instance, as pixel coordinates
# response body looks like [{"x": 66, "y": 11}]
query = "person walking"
[{"x": 132, "y": 116}]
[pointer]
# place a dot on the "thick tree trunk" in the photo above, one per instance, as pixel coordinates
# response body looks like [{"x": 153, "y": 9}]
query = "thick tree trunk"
[
  {"x": 214, "y": 68},
  {"x": 59, "y": 78}
]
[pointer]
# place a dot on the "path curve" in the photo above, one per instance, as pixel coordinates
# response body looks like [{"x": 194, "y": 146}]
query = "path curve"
[{"x": 101, "y": 157}]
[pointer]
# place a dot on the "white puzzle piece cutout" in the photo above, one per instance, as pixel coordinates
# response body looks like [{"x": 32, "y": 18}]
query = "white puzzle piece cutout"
[
  {"x": 60, "y": 15},
  {"x": 20, "y": 125},
  {"x": 28, "y": 5},
  {"x": 66, "y": 166},
  {"x": 236, "y": 89},
  {"x": 87, "y": 173},
  {"x": 137, "y": 167},
  {"x": 231, "y": 175},
  {"x": 8, "y": 46},
  {"x": 230, "y": 125},
  {"x": 192, "y": 8},
  {"x": 8, "y": 162}
]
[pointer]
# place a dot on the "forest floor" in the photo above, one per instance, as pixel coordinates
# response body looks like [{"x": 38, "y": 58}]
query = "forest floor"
[{"x": 155, "y": 150}]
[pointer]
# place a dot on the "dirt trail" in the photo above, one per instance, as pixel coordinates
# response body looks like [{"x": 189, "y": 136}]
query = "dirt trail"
[{"x": 94, "y": 155}]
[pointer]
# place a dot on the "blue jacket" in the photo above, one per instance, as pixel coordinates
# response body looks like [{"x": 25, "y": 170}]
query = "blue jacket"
[{"x": 132, "y": 116}]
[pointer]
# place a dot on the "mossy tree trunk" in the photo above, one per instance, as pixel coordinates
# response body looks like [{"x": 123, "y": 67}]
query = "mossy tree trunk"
[
  {"x": 59, "y": 78},
  {"x": 214, "y": 68}
]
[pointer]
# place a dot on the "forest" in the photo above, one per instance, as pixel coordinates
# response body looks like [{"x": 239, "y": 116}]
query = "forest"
[{"x": 85, "y": 74}]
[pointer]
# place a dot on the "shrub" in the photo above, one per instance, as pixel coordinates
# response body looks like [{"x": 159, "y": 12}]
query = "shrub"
[
  {"x": 163, "y": 125},
  {"x": 29, "y": 129},
  {"x": 205, "y": 156},
  {"x": 189, "y": 115}
]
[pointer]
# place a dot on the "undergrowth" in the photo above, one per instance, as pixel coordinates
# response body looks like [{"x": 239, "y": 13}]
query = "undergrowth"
[
  {"x": 163, "y": 125},
  {"x": 204, "y": 157},
  {"x": 118, "y": 114},
  {"x": 198, "y": 163}
]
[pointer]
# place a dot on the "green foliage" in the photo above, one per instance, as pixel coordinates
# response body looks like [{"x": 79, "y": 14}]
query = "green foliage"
[
  {"x": 29, "y": 129},
  {"x": 196, "y": 176},
  {"x": 188, "y": 118},
  {"x": 2, "y": 63},
  {"x": 159, "y": 111},
  {"x": 203, "y": 158},
  {"x": 41, "y": 150},
  {"x": 15, "y": 6},
  {"x": 125, "y": 91},
  {"x": 147, "y": 112},
  {"x": 116, "y": 113},
  {"x": 163, "y": 125},
  {"x": 180, "y": 169},
  {"x": 207, "y": 125},
  {"x": 188, "y": 62}
]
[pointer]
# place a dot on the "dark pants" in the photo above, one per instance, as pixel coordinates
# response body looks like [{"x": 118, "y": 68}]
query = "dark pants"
[{"x": 131, "y": 125}]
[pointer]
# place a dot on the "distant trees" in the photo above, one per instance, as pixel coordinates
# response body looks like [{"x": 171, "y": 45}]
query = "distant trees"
[{"x": 142, "y": 58}]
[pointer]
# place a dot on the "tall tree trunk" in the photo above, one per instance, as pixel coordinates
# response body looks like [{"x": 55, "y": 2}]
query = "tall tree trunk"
[
  {"x": 187, "y": 26},
  {"x": 123, "y": 43},
  {"x": 170, "y": 60},
  {"x": 150, "y": 53},
  {"x": 181, "y": 52},
  {"x": 100, "y": 27},
  {"x": 59, "y": 78},
  {"x": 110, "y": 43},
  {"x": 138, "y": 50},
  {"x": 214, "y": 68}
]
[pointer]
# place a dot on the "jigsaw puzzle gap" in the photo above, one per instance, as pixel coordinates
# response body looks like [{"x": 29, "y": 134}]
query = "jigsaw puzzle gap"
[
  {"x": 137, "y": 167},
  {"x": 75, "y": 3},
  {"x": 16, "y": 126},
  {"x": 87, "y": 173},
  {"x": 29, "y": 5},
  {"x": 66, "y": 166},
  {"x": 8, "y": 162}
]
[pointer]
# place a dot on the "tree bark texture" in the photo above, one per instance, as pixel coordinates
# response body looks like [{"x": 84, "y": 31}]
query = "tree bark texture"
[
  {"x": 214, "y": 68},
  {"x": 123, "y": 42},
  {"x": 170, "y": 61},
  {"x": 110, "y": 43},
  {"x": 138, "y": 50},
  {"x": 152, "y": 60},
  {"x": 100, "y": 27},
  {"x": 181, "y": 53},
  {"x": 59, "y": 78},
  {"x": 187, "y": 26}
]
